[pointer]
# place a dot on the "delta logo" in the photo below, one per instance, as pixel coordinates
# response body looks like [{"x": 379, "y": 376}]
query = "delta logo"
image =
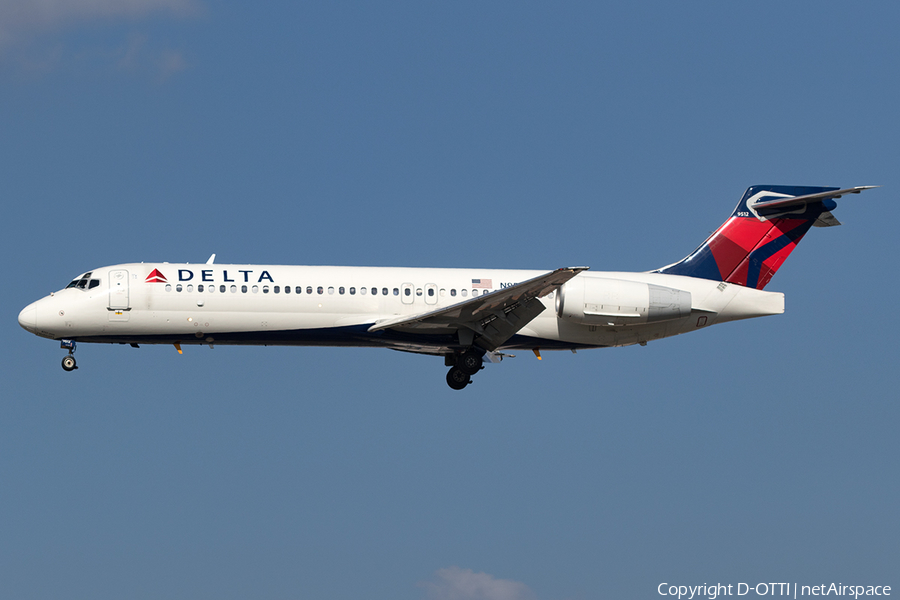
[
  {"x": 156, "y": 277},
  {"x": 207, "y": 276}
]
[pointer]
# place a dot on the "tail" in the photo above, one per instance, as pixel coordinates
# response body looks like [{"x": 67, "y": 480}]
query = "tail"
[{"x": 769, "y": 221}]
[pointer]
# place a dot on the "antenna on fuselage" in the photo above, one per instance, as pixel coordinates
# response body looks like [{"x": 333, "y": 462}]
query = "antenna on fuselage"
[{"x": 212, "y": 259}]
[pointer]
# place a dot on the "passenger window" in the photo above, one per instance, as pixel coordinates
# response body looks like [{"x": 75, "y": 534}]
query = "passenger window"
[
  {"x": 320, "y": 290},
  {"x": 362, "y": 291},
  {"x": 200, "y": 287},
  {"x": 287, "y": 289},
  {"x": 353, "y": 291},
  {"x": 168, "y": 287},
  {"x": 299, "y": 290},
  {"x": 243, "y": 289},
  {"x": 178, "y": 288},
  {"x": 330, "y": 289},
  {"x": 453, "y": 291},
  {"x": 190, "y": 287},
  {"x": 418, "y": 292},
  {"x": 464, "y": 293},
  {"x": 276, "y": 289},
  {"x": 222, "y": 288},
  {"x": 233, "y": 289},
  {"x": 407, "y": 292},
  {"x": 474, "y": 293},
  {"x": 265, "y": 289},
  {"x": 255, "y": 289},
  {"x": 396, "y": 291},
  {"x": 341, "y": 290},
  {"x": 431, "y": 292}
]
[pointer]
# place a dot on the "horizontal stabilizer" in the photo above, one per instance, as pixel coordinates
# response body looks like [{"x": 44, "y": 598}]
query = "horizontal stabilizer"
[
  {"x": 770, "y": 200},
  {"x": 826, "y": 219}
]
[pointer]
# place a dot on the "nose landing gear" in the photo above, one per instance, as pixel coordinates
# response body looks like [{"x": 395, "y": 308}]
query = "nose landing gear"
[
  {"x": 464, "y": 366},
  {"x": 68, "y": 361}
]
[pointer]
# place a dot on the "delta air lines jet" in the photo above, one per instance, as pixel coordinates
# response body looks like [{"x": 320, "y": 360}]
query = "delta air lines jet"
[{"x": 463, "y": 315}]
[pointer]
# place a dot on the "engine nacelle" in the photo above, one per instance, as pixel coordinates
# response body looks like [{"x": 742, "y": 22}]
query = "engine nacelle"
[{"x": 595, "y": 301}]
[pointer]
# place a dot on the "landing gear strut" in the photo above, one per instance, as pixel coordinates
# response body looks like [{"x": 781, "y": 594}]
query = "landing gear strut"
[
  {"x": 464, "y": 366},
  {"x": 68, "y": 361},
  {"x": 470, "y": 362}
]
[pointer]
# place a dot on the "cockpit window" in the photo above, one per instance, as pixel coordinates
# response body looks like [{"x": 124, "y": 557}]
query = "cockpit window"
[{"x": 84, "y": 282}]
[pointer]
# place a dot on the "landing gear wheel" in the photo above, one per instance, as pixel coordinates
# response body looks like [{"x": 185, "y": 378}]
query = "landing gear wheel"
[
  {"x": 457, "y": 378},
  {"x": 470, "y": 362},
  {"x": 68, "y": 363}
]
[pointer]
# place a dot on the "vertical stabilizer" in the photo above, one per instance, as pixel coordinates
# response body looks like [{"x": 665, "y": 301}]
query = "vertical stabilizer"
[{"x": 766, "y": 226}]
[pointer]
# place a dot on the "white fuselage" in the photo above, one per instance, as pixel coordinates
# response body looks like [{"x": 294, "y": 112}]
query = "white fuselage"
[{"x": 336, "y": 306}]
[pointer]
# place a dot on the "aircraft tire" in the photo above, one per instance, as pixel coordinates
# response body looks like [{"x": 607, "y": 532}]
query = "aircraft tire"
[
  {"x": 470, "y": 362},
  {"x": 457, "y": 378},
  {"x": 68, "y": 363}
]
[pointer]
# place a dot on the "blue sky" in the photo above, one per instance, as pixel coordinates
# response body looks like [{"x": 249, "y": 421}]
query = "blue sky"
[{"x": 465, "y": 134}]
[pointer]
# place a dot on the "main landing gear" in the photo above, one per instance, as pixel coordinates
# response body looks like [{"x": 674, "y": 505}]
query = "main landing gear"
[
  {"x": 68, "y": 361},
  {"x": 464, "y": 365}
]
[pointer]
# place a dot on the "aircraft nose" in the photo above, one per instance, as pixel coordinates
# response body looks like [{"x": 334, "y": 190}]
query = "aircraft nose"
[{"x": 28, "y": 318}]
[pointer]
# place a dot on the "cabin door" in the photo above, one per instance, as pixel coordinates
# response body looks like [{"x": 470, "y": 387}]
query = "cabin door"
[{"x": 118, "y": 295}]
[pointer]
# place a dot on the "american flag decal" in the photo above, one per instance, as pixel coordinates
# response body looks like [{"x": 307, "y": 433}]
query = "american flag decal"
[{"x": 482, "y": 283}]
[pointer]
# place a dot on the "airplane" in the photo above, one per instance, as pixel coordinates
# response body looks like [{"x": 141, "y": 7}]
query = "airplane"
[{"x": 467, "y": 316}]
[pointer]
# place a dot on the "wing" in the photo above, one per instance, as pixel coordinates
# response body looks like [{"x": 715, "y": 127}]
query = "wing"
[{"x": 486, "y": 321}]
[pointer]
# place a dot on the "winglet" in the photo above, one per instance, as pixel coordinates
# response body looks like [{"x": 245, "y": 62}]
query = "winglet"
[{"x": 212, "y": 259}]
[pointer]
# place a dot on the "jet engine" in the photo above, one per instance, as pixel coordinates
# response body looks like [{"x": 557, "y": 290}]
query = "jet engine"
[{"x": 597, "y": 301}]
